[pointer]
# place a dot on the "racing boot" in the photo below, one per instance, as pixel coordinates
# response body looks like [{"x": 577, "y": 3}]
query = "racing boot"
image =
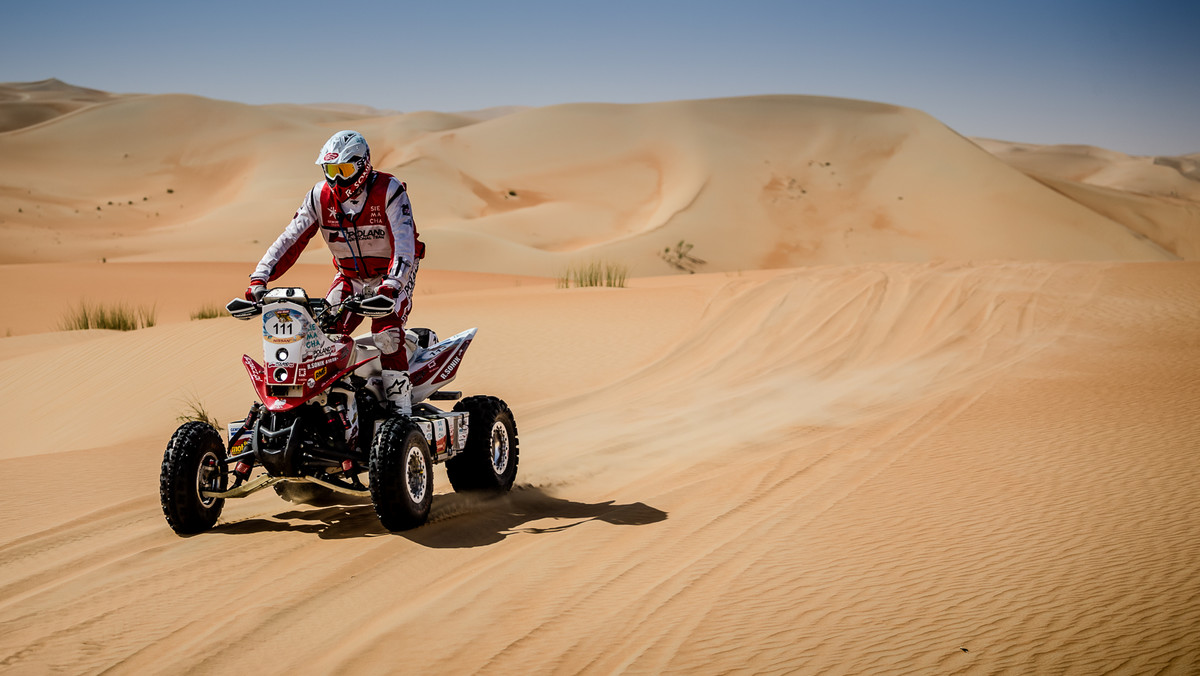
[{"x": 398, "y": 390}]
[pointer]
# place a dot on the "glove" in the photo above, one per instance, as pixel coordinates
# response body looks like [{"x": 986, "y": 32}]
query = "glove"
[
  {"x": 256, "y": 290},
  {"x": 387, "y": 291}
]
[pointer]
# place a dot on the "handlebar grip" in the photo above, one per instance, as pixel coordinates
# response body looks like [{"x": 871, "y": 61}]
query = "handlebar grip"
[
  {"x": 376, "y": 306},
  {"x": 242, "y": 308}
]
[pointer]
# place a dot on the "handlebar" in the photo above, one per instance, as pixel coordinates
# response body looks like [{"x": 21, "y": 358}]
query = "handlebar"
[{"x": 324, "y": 312}]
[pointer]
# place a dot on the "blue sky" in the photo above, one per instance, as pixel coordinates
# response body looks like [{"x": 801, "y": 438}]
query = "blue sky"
[{"x": 1122, "y": 75}]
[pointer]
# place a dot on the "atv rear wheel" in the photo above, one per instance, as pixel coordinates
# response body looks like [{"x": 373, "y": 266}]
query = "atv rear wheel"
[
  {"x": 193, "y": 462},
  {"x": 401, "y": 474},
  {"x": 489, "y": 459}
]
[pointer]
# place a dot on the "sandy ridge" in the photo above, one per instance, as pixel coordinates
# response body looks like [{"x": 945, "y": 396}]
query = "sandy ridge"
[{"x": 874, "y": 523}]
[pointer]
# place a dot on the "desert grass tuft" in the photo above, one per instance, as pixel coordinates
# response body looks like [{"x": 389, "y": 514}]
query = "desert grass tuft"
[
  {"x": 119, "y": 317},
  {"x": 194, "y": 411},
  {"x": 595, "y": 273},
  {"x": 209, "y": 311},
  {"x": 614, "y": 275}
]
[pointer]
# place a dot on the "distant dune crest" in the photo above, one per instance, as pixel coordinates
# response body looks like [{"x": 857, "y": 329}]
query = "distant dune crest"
[
  {"x": 1157, "y": 197},
  {"x": 24, "y": 104},
  {"x": 801, "y": 180}
]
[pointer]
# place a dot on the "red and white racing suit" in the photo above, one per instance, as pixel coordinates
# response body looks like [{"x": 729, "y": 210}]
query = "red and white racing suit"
[{"x": 374, "y": 243}]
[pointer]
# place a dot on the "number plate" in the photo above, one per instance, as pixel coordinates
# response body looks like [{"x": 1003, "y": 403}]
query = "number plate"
[{"x": 283, "y": 326}]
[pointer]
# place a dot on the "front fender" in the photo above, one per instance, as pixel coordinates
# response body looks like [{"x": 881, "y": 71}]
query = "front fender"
[{"x": 258, "y": 377}]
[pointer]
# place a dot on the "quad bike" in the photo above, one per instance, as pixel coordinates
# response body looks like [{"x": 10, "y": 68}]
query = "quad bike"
[{"x": 322, "y": 423}]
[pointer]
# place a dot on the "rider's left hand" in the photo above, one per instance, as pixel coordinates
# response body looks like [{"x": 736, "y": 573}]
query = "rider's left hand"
[{"x": 387, "y": 291}]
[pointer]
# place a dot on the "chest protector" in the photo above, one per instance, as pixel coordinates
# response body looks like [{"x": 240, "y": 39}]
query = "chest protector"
[{"x": 364, "y": 245}]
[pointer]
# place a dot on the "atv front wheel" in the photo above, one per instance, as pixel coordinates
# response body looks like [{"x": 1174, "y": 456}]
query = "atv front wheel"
[
  {"x": 401, "y": 474},
  {"x": 193, "y": 462},
  {"x": 489, "y": 459}
]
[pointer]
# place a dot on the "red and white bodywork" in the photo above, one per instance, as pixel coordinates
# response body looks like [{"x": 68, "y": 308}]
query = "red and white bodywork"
[{"x": 302, "y": 364}]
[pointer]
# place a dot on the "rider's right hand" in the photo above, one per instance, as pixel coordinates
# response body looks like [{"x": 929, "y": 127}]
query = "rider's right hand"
[{"x": 256, "y": 290}]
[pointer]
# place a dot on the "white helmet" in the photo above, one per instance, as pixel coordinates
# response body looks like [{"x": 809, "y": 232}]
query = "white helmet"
[{"x": 346, "y": 159}]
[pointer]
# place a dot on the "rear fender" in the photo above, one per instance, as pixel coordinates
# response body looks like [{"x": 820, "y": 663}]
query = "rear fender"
[{"x": 437, "y": 365}]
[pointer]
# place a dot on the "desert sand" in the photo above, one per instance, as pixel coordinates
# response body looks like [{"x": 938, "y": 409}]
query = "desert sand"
[{"x": 928, "y": 406}]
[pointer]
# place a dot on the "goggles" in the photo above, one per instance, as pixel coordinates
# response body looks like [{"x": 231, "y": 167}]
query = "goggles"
[{"x": 343, "y": 170}]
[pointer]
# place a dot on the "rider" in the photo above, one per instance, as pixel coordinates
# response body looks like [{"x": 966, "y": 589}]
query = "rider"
[{"x": 366, "y": 220}]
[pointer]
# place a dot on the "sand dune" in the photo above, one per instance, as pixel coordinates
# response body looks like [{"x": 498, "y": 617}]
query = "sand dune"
[
  {"x": 802, "y": 180},
  {"x": 24, "y": 104},
  {"x": 927, "y": 408},
  {"x": 856, "y": 469},
  {"x": 1172, "y": 223},
  {"x": 1157, "y": 197},
  {"x": 1176, "y": 177}
]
